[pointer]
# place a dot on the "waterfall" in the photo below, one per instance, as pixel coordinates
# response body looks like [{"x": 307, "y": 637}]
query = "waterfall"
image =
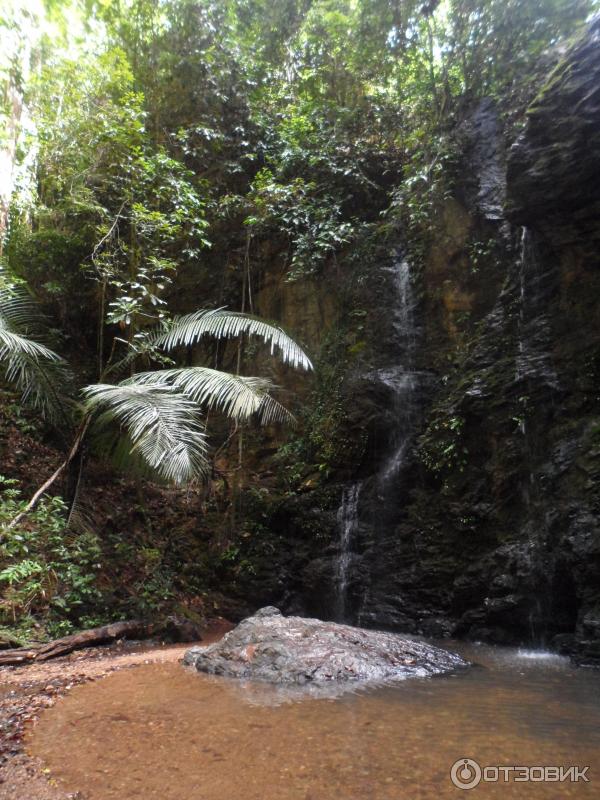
[
  {"x": 383, "y": 493},
  {"x": 403, "y": 386},
  {"x": 537, "y": 383},
  {"x": 347, "y": 519},
  {"x": 534, "y": 369},
  {"x": 401, "y": 378}
]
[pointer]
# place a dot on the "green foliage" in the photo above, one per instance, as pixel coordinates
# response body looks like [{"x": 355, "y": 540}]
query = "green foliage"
[
  {"x": 428, "y": 182},
  {"x": 46, "y": 572},
  {"x": 483, "y": 254},
  {"x": 54, "y": 581},
  {"x": 187, "y": 123},
  {"x": 222, "y": 324},
  {"x": 238, "y": 396},
  {"x": 180, "y": 148},
  {"x": 324, "y": 444},
  {"x": 112, "y": 204},
  {"x": 442, "y": 448},
  {"x": 27, "y": 362},
  {"x": 496, "y": 47},
  {"x": 311, "y": 220},
  {"x": 162, "y": 425},
  {"x": 159, "y": 414}
]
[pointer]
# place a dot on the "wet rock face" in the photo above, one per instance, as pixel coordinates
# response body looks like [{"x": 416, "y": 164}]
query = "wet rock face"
[
  {"x": 295, "y": 650},
  {"x": 491, "y": 529},
  {"x": 506, "y": 547},
  {"x": 485, "y": 170},
  {"x": 553, "y": 167}
]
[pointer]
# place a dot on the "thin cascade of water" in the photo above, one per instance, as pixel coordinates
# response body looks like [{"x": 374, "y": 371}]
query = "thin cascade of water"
[
  {"x": 403, "y": 384},
  {"x": 537, "y": 378},
  {"x": 401, "y": 379},
  {"x": 533, "y": 362},
  {"x": 347, "y": 519}
]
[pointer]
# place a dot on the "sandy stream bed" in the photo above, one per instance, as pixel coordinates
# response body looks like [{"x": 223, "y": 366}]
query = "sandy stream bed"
[{"x": 26, "y": 691}]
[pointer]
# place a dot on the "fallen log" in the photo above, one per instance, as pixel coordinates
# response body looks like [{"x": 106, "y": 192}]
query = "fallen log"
[{"x": 132, "y": 629}]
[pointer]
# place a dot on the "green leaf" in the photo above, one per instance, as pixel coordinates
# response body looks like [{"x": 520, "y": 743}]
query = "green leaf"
[
  {"x": 164, "y": 426},
  {"x": 222, "y": 324},
  {"x": 237, "y": 396}
]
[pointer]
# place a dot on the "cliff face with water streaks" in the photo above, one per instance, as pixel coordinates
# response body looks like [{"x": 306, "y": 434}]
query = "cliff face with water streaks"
[{"x": 472, "y": 507}]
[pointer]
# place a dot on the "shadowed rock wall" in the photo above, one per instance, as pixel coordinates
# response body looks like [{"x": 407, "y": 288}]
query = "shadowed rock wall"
[{"x": 490, "y": 527}]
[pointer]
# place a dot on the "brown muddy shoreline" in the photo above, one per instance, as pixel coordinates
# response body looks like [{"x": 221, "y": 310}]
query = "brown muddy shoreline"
[{"x": 26, "y": 691}]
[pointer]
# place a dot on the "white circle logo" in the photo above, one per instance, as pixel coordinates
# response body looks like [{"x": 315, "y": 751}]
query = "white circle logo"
[{"x": 465, "y": 773}]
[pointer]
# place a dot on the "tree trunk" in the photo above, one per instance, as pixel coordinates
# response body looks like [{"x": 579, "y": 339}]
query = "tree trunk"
[{"x": 132, "y": 629}]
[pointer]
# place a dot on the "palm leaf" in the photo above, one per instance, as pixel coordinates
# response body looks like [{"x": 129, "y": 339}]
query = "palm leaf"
[
  {"x": 36, "y": 370},
  {"x": 18, "y": 308},
  {"x": 112, "y": 442},
  {"x": 222, "y": 324},
  {"x": 238, "y": 396},
  {"x": 162, "y": 424},
  {"x": 14, "y": 343},
  {"x": 41, "y": 383}
]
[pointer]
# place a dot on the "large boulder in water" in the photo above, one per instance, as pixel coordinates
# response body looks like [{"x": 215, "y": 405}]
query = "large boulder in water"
[{"x": 295, "y": 650}]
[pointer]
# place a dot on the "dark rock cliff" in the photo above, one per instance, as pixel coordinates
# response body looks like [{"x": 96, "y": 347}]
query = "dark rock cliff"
[
  {"x": 554, "y": 167},
  {"x": 473, "y": 509}
]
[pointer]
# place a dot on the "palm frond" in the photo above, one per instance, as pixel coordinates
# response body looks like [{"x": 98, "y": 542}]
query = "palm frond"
[
  {"x": 18, "y": 309},
  {"x": 112, "y": 443},
  {"x": 238, "y": 396},
  {"x": 35, "y": 369},
  {"x": 162, "y": 424},
  {"x": 41, "y": 383},
  {"x": 223, "y": 324},
  {"x": 14, "y": 343}
]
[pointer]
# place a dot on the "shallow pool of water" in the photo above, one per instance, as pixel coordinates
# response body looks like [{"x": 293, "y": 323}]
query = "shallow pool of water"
[{"x": 163, "y": 731}]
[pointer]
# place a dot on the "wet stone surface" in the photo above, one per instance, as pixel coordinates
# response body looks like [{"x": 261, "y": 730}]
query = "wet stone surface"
[{"x": 295, "y": 650}]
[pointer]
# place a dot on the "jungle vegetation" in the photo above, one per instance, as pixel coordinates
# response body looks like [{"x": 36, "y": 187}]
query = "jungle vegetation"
[{"x": 152, "y": 155}]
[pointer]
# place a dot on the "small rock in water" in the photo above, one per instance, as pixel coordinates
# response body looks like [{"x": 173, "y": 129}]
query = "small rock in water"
[{"x": 295, "y": 650}]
